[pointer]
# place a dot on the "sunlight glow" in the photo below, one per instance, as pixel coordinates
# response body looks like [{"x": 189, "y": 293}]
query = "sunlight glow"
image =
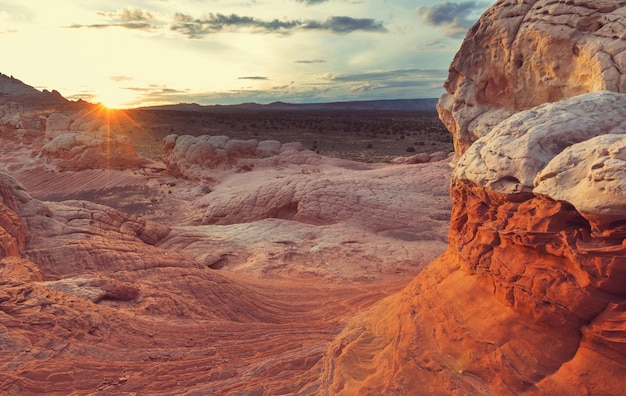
[{"x": 113, "y": 98}]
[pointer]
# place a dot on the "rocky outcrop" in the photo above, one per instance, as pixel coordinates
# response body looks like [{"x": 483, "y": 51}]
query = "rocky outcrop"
[
  {"x": 529, "y": 297},
  {"x": 522, "y": 54},
  {"x": 12, "y": 228},
  {"x": 326, "y": 220},
  {"x": 201, "y": 157},
  {"x": 85, "y": 141},
  {"x": 524, "y": 268}
]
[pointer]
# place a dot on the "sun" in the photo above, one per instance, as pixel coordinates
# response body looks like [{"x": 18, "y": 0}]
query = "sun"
[{"x": 113, "y": 98}]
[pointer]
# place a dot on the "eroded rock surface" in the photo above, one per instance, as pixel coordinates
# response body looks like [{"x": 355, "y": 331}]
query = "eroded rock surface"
[
  {"x": 82, "y": 283},
  {"x": 522, "y": 54},
  {"x": 204, "y": 157},
  {"x": 85, "y": 141}
]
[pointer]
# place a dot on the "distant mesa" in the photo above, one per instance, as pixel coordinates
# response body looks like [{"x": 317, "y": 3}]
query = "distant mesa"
[{"x": 428, "y": 104}]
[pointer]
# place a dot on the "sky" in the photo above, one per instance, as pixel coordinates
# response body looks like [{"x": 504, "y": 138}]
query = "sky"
[{"x": 148, "y": 52}]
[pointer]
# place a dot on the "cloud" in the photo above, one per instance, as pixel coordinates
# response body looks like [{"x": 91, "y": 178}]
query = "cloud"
[
  {"x": 364, "y": 87},
  {"x": 344, "y": 24},
  {"x": 128, "y": 14},
  {"x": 253, "y": 78},
  {"x": 311, "y": 2},
  {"x": 216, "y": 23},
  {"x": 154, "y": 89},
  {"x": 454, "y": 17},
  {"x": 399, "y": 83},
  {"x": 120, "y": 78},
  {"x": 310, "y": 61},
  {"x": 14, "y": 12},
  {"x": 128, "y": 25},
  {"x": 127, "y": 18},
  {"x": 410, "y": 74}
]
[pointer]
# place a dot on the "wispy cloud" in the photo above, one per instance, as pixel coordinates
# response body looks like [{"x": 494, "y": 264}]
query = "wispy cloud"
[
  {"x": 455, "y": 17},
  {"x": 253, "y": 78},
  {"x": 15, "y": 12},
  {"x": 120, "y": 78},
  {"x": 412, "y": 74},
  {"x": 311, "y": 61},
  {"x": 385, "y": 83},
  {"x": 128, "y": 18},
  {"x": 344, "y": 24},
  {"x": 216, "y": 23},
  {"x": 311, "y": 2},
  {"x": 127, "y": 25},
  {"x": 129, "y": 14}
]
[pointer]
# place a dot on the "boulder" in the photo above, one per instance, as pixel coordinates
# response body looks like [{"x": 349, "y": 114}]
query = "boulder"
[
  {"x": 57, "y": 123},
  {"x": 523, "y": 54},
  {"x": 84, "y": 141},
  {"x": 77, "y": 151},
  {"x": 204, "y": 157},
  {"x": 509, "y": 158}
]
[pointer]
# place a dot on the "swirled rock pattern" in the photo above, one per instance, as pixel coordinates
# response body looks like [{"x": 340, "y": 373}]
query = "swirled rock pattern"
[{"x": 522, "y": 54}]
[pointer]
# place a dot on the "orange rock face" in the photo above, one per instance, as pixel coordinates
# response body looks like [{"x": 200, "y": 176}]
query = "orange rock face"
[{"x": 526, "y": 300}]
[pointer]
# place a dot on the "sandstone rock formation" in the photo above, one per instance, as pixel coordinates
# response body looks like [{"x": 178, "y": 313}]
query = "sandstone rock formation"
[
  {"x": 521, "y": 54},
  {"x": 85, "y": 141},
  {"x": 524, "y": 268},
  {"x": 191, "y": 157},
  {"x": 325, "y": 216},
  {"x": 529, "y": 298}
]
